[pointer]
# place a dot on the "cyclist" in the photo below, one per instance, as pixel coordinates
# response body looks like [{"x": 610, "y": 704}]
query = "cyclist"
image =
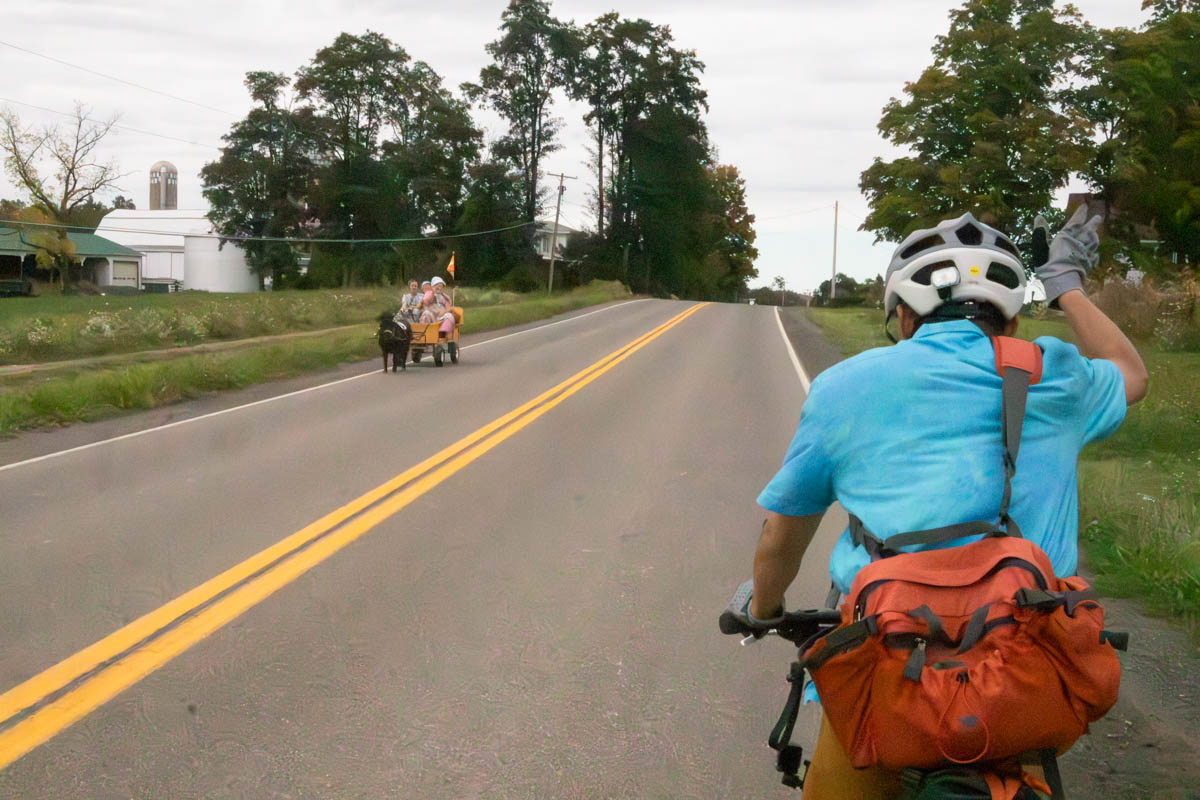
[{"x": 907, "y": 437}]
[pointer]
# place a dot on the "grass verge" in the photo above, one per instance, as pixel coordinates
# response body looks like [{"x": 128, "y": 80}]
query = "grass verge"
[
  {"x": 95, "y": 394},
  {"x": 60, "y": 328},
  {"x": 1139, "y": 490}
]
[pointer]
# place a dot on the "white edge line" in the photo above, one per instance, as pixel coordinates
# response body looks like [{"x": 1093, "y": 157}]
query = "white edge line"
[
  {"x": 266, "y": 400},
  {"x": 804, "y": 381}
]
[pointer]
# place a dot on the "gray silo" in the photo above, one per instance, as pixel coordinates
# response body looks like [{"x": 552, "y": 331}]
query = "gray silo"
[{"x": 164, "y": 186}]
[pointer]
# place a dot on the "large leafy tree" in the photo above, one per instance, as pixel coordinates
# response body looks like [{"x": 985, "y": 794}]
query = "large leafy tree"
[
  {"x": 494, "y": 202},
  {"x": 671, "y": 205},
  {"x": 623, "y": 68},
  {"x": 371, "y": 146},
  {"x": 1145, "y": 101},
  {"x": 433, "y": 146},
  {"x": 986, "y": 123},
  {"x": 1161, "y": 9},
  {"x": 528, "y": 65},
  {"x": 733, "y": 247},
  {"x": 258, "y": 187}
]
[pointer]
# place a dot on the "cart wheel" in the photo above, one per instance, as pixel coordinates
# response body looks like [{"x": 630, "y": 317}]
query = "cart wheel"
[
  {"x": 453, "y": 352},
  {"x": 416, "y": 356},
  {"x": 437, "y": 355}
]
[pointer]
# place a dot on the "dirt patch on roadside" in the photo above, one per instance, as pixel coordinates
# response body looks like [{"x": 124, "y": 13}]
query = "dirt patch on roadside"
[{"x": 1148, "y": 746}]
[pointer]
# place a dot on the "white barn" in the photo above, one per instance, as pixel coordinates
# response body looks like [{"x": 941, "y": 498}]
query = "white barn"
[{"x": 178, "y": 251}]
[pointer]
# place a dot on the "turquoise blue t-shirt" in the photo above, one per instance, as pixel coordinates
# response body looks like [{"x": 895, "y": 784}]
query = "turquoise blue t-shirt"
[{"x": 908, "y": 438}]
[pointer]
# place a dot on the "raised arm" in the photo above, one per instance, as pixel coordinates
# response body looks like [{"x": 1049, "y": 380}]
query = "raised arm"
[
  {"x": 1099, "y": 337},
  {"x": 1071, "y": 254}
]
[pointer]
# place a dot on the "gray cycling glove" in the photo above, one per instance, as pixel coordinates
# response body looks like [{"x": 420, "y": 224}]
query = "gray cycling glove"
[
  {"x": 1073, "y": 253},
  {"x": 739, "y": 607}
]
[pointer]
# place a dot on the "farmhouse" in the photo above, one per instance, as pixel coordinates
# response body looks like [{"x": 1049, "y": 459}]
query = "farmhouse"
[{"x": 100, "y": 260}]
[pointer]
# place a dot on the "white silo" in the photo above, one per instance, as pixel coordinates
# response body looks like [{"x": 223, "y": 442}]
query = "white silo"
[
  {"x": 209, "y": 267},
  {"x": 164, "y": 186}
]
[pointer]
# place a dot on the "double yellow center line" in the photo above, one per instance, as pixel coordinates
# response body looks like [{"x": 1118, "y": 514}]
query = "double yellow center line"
[{"x": 39, "y": 708}]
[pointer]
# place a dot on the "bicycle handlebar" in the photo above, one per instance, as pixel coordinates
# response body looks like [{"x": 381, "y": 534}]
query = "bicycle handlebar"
[{"x": 797, "y": 626}]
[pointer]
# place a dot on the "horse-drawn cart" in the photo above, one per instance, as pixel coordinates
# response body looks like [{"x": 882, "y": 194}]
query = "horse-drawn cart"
[{"x": 425, "y": 336}]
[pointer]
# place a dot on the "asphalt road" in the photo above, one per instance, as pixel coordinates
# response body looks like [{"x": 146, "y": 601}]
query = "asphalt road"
[{"x": 538, "y": 619}]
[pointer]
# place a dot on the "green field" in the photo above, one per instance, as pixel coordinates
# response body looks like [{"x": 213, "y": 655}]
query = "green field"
[
  {"x": 55, "y": 327},
  {"x": 92, "y": 393},
  {"x": 1139, "y": 490}
]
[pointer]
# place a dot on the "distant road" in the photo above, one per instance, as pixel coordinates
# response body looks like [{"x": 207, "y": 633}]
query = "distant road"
[{"x": 414, "y": 585}]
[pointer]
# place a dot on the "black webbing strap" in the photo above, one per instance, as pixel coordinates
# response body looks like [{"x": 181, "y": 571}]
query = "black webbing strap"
[
  {"x": 976, "y": 627},
  {"x": 1042, "y": 600},
  {"x": 883, "y": 548},
  {"x": 1053, "y": 778},
  {"x": 834, "y": 597},
  {"x": 840, "y": 640},
  {"x": 790, "y": 758},
  {"x": 1014, "y": 391},
  {"x": 932, "y": 623}
]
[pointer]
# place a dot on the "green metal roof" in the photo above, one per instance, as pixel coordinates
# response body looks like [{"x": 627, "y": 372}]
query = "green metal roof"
[{"x": 87, "y": 245}]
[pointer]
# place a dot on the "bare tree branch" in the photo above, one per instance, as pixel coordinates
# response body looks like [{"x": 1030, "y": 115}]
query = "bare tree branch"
[{"x": 79, "y": 175}]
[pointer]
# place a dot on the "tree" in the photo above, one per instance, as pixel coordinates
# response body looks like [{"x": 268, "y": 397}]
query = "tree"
[
  {"x": 494, "y": 200},
  {"x": 1161, "y": 9},
  {"x": 985, "y": 123},
  {"x": 671, "y": 205},
  {"x": 432, "y": 150},
  {"x": 734, "y": 246},
  {"x": 849, "y": 291},
  {"x": 77, "y": 177},
  {"x": 780, "y": 284},
  {"x": 528, "y": 66},
  {"x": 258, "y": 187},
  {"x": 1144, "y": 98},
  {"x": 622, "y": 69},
  {"x": 370, "y": 147},
  {"x": 123, "y": 203},
  {"x": 9, "y": 209}
]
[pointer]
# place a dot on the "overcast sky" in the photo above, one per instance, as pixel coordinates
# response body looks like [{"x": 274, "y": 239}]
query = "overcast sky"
[{"x": 795, "y": 88}]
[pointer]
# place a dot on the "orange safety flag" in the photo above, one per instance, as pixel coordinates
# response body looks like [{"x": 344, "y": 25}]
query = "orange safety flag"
[{"x": 450, "y": 266}]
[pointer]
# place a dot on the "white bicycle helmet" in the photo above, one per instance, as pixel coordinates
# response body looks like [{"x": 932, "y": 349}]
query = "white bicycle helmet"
[{"x": 961, "y": 262}]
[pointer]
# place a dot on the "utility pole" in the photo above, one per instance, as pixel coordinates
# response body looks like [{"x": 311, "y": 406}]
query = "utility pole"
[
  {"x": 554, "y": 233},
  {"x": 833, "y": 280}
]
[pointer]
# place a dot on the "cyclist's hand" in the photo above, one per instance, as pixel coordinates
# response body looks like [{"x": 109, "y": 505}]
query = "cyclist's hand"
[
  {"x": 1073, "y": 253},
  {"x": 736, "y": 618}
]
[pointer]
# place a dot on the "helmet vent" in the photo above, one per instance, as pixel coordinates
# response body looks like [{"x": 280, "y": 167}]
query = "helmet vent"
[
  {"x": 1005, "y": 244},
  {"x": 922, "y": 244},
  {"x": 1003, "y": 275},
  {"x": 969, "y": 234},
  {"x": 924, "y": 275}
]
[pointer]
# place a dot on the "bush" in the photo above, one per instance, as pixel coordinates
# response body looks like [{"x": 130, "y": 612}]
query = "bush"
[
  {"x": 1144, "y": 310},
  {"x": 524, "y": 278}
]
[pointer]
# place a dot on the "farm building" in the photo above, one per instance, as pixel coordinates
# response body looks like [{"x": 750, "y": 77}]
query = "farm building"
[
  {"x": 100, "y": 260},
  {"x": 179, "y": 251}
]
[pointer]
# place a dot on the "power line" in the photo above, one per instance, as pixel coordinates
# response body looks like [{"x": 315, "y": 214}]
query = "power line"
[
  {"x": 118, "y": 127},
  {"x": 812, "y": 210},
  {"x": 294, "y": 240},
  {"x": 115, "y": 78}
]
